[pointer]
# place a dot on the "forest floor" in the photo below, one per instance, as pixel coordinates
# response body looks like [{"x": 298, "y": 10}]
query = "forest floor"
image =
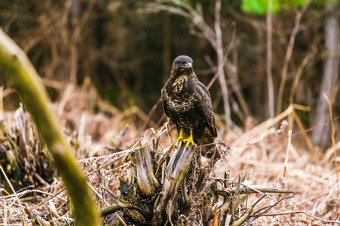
[{"x": 266, "y": 152}]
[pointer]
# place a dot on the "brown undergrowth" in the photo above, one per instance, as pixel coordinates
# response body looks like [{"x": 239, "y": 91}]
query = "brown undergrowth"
[{"x": 262, "y": 158}]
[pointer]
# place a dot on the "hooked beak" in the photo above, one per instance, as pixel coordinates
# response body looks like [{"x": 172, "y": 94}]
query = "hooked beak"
[{"x": 189, "y": 65}]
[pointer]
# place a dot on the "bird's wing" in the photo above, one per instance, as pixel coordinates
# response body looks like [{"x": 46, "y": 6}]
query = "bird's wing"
[
  {"x": 204, "y": 105},
  {"x": 165, "y": 104}
]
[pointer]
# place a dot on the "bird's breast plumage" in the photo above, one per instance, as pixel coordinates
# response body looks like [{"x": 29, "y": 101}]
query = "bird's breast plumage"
[{"x": 179, "y": 98}]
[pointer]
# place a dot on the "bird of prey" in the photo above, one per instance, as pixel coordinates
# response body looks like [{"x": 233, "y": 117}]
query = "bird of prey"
[{"x": 187, "y": 103}]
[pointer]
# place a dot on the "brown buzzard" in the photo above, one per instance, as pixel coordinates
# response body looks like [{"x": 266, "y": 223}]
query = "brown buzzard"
[{"x": 187, "y": 103}]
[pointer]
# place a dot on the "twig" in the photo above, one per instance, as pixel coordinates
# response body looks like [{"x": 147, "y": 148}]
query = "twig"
[
  {"x": 97, "y": 193},
  {"x": 267, "y": 124},
  {"x": 300, "y": 211},
  {"x": 46, "y": 200},
  {"x": 285, "y": 171},
  {"x": 258, "y": 201},
  {"x": 297, "y": 76},
  {"x": 306, "y": 137},
  {"x": 291, "y": 98},
  {"x": 27, "y": 192},
  {"x": 212, "y": 80},
  {"x": 244, "y": 217},
  {"x": 53, "y": 83},
  {"x": 252, "y": 189},
  {"x": 263, "y": 190},
  {"x": 289, "y": 54},
  {"x": 267, "y": 208},
  {"x": 120, "y": 219}
]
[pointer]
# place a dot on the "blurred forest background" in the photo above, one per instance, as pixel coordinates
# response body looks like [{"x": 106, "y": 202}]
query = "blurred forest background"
[{"x": 269, "y": 58}]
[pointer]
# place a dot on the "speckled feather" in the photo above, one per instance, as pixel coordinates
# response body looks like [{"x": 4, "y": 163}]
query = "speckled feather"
[{"x": 187, "y": 102}]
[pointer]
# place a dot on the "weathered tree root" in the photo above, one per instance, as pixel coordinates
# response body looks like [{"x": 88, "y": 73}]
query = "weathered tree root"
[{"x": 181, "y": 191}]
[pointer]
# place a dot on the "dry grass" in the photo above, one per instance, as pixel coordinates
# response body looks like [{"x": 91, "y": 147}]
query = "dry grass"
[
  {"x": 262, "y": 150},
  {"x": 270, "y": 155}
]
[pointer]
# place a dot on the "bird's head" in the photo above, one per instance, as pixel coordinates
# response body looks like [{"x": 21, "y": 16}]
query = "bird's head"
[{"x": 182, "y": 65}]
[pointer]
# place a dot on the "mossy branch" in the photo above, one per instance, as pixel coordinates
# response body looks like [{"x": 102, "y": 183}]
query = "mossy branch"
[{"x": 22, "y": 76}]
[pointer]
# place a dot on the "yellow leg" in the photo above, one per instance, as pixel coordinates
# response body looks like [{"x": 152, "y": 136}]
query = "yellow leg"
[
  {"x": 179, "y": 138},
  {"x": 189, "y": 140}
]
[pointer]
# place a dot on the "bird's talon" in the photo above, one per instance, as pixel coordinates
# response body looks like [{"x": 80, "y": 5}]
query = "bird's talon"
[
  {"x": 189, "y": 140},
  {"x": 179, "y": 138}
]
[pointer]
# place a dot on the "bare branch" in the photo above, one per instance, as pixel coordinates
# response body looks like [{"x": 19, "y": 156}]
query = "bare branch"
[
  {"x": 156, "y": 7},
  {"x": 303, "y": 64},
  {"x": 252, "y": 189},
  {"x": 288, "y": 55},
  {"x": 303, "y": 212},
  {"x": 267, "y": 208}
]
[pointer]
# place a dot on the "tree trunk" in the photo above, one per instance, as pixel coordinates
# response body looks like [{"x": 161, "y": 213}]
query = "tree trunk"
[
  {"x": 270, "y": 84},
  {"x": 321, "y": 123}
]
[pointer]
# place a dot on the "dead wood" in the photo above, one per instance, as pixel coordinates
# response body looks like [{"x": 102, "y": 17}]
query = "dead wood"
[{"x": 182, "y": 190}]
